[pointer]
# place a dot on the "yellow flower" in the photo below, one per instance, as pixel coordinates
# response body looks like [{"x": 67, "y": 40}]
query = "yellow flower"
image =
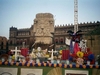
[
  {"x": 13, "y": 57},
  {"x": 80, "y": 54},
  {"x": 47, "y": 55},
  {"x": 60, "y": 51}
]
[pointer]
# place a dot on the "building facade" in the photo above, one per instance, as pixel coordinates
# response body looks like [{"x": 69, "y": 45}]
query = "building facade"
[
  {"x": 43, "y": 32},
  {"x": 3, "y": 43}
]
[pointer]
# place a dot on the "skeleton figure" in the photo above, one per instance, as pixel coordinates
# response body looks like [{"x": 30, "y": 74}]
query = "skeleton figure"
[
  {"x": 39, "y": 54},
  {"x": 32, "y": 54},
  {"x": 82, "y": 45}
]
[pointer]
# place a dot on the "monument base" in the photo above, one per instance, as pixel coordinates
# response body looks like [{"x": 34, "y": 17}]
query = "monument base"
[{"x": 43, "y": 46}]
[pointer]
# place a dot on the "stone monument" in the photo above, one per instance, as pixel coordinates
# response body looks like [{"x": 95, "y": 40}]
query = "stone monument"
[{"x": 43, "y": 28}]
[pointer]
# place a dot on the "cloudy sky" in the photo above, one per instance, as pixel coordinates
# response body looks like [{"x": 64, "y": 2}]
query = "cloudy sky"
[{"x": 21, "y": 13}]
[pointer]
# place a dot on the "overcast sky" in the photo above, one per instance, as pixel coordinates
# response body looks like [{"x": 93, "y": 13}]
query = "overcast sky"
[{"x": 21, "y": 13}]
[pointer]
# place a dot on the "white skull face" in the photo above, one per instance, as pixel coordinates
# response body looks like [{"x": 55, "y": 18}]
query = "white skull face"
[{"x": 39, "y": 48}]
